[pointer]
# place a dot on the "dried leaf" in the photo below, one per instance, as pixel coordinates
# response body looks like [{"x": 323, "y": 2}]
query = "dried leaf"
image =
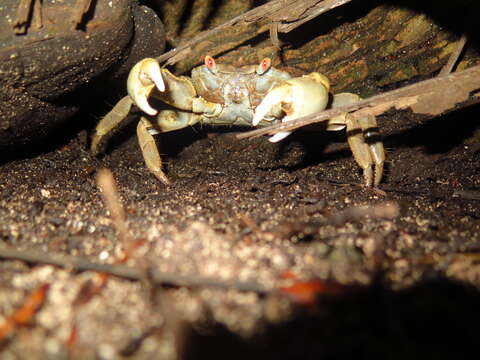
[
  {"x": 24, "y": 315},
  {"x": 307, "y": 292}
]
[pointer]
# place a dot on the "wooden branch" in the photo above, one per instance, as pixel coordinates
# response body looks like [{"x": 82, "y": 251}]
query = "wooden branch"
[
  {"x": 288, "y": 14},
  {"x": 314, "y": 11},
  {"x": 127, "y": 272},
  {"x": 433, "y": 97}
]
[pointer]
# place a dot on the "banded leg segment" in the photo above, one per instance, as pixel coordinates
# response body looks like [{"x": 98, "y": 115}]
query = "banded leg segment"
[
  {"x": 360, "y": 150},
  {"x": 371, "y": 137}
]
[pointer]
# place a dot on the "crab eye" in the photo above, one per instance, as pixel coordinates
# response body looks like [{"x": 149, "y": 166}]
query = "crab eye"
[
  {"x": 264, "y": 66},
  {"x": 210, "y": 63}
]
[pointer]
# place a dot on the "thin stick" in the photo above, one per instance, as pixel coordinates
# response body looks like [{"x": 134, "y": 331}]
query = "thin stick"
[
  {"x": 126, "y": 272},
  {"x": 388, "y": 210},
  {"x": 274, "y": 35},
  {"x": 311, "y": 13},
  {"x": 452, "y": 60},
  {"x": 107, "y": 185}
]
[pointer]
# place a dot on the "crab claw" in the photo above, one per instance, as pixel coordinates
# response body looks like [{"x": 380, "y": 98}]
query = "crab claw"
[
  {"x": 297, "y": 97},
  {"x": 142, "y": 79}
]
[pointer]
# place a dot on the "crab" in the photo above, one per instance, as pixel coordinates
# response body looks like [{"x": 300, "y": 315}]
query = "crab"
[{"x": 253, "y": 95}]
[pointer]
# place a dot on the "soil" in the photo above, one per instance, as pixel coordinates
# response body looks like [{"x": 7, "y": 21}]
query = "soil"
[
  {"x": 252, "y": 211},
  {"x": 295, "y": 258}
]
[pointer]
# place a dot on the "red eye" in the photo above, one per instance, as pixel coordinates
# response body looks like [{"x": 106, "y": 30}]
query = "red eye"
[
  {"x": 209, "y": 62},
  {"x": 265, "y": 64}
]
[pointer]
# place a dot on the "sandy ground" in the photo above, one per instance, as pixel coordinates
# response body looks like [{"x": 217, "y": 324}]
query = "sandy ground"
[{"x": 251, "y": 211}]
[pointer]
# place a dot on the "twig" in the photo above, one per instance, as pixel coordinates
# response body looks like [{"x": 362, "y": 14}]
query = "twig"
[
  {"x": 467, "y": 194},
  {"x": 107, "y": 185},
  {"x": 274, "y": 35},
  {"x": 127, "y": 272},
  {"x": 311, "y": 13},
  {"x": 389, "y": 210},
  {"x": 432, "y": 97},
  {"x": 385, "y": 210},
  {"x": 452, "y": 60}
]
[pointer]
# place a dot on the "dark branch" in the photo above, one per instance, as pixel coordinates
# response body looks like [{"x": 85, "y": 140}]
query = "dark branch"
[
  {"x": 289, "y": 15},
  {"x": 127, "y": 272}
]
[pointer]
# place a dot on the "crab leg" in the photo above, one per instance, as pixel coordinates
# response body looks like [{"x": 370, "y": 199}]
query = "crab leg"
[
  {"x": 375, "y": 146},
  {"x": 109, "y": 122},
  {"x": 297, "y": 97},
  {"x": 362, "y": 137},
  {"x": 370, "y": 156},
  {"x": 178, "y": 92},
  {"x": 149, "y": 150}
]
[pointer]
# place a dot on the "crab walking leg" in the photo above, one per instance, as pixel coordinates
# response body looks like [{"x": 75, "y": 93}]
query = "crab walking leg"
[
  {"x": 167, "y": 120},
  {"x": 370, "y": 133},
  {"x": 360, "y": 150},
  {"x": 110, "y": 122},
  {"x": 297, "y": 97},
  {"x": 367, "y": 151},
  {"x": 149, "y": 149}
]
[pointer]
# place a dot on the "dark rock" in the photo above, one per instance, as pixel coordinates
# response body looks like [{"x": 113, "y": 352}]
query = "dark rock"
[{"x": 48, "y": 74}]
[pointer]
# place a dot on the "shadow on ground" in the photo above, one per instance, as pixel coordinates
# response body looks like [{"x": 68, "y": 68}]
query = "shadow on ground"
[{"x": 435, "y": 319}]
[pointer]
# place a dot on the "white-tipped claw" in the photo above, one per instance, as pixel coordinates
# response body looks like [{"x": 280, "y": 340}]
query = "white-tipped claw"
[
  {"x": 279, "y": 136},
  {"x": 143, "y": 78},
  {"x": 150, "y": 71},
  {"x": 297, "y": 97},
  {"x": 278, "y": 96},
  {"x": 275, "y": 97},
  {"x": 141, "y": 101}
]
